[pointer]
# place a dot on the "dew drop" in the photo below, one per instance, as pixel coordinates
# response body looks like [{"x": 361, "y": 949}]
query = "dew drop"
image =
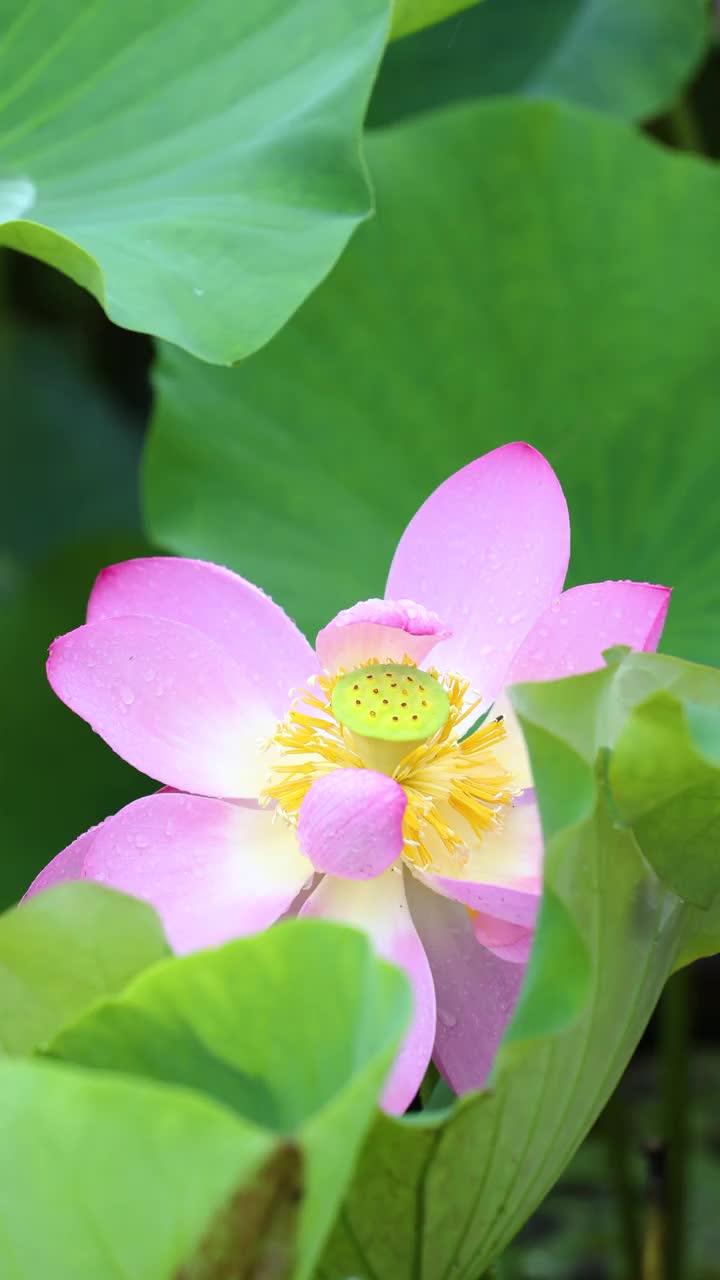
[
  {"x": 447, "y": 1019},
  {"x": 127, "y": 695},
  {"x": 141, "y": 842}
]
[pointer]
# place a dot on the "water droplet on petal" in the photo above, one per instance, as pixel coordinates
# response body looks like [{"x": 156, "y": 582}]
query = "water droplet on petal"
[
  {"x": 127, "y": 695},
  {"x": 447, "y": 1019},
  {"x": 141, "y": 842}
]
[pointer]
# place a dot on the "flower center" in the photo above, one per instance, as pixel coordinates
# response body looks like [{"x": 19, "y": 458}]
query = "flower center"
[
  {"x": 388, "y": 708},
  {"x": 410, "y": 724}
]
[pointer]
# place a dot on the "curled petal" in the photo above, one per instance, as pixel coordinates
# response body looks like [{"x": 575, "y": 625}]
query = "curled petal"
[
  {"x": 476, "y": 990},
  {"x": 350, "y": 823},
  {"x": 571, "y": 636},
  {"x": 212, "y": 870},
  {"x": 488, "y": 551},
  {"x": 267, "y": 646},
  {"x": 386, "y": 630},
  {"x": 169, "y": 700},
  {"x": 380, "y": 908}
]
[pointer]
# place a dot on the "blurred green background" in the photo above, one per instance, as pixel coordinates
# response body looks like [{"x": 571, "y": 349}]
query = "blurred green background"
[{"x": 543, "y": 264}]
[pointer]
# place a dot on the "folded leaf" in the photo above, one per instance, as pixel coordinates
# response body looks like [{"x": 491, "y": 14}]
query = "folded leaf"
[
  {"x": 104, "y": 1176},
  {"x": 443, "y": 1194},
  {"x": 64, "y": 949},
  {"x": 198, "y": 169},
  {"x": 294, "y": 1029}
]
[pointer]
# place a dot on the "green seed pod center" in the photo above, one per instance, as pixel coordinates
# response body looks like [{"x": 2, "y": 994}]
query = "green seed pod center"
[{"x": 392, "y": 702}]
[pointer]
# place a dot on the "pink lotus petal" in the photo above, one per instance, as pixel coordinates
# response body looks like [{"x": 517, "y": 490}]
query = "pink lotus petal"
[
  {"x": 508, "y": 941},
  {"x": 212, "y": 870},
  {"x": 169, "y": 700},
  {"x": 572, "y": 634},
  {"x": 266, "y": 645},
  {"x": 488, "y": 551},
  {"x": 66, "y": 865},
  {"x": 380, "y": 908},
  {"x": 350, "y": 823},
  {"x": 570, "y": 637},
  {"x": 386, "y": 630},
  {"x": 503, "y": 873},
  {"x": 476, "y": 991}
]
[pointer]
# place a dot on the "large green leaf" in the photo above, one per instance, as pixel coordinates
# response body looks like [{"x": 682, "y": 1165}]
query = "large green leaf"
[
  {"x": 441, "y": 1195},
  {"x": 62, "y": 950},
  {"x": 56, "y": 777},
  {"x": 526, "y": 289},
  {"x": 629, "y": 60},
  {"x": 59, "y": 423},
  {"x": 410, "y": 15},
  {"x": 295, "y": 1029},
  {"x": 101, "y": 1177},
  {"x": 665, "y": 780},
  {"x": 197, "y": 168},
  {"x": 68, "y": 506}
]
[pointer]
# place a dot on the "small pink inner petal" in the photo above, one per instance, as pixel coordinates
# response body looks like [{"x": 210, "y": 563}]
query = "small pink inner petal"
[
  {"x": 387, "y": 630},
  {"x": 350, "y": 823},
  {"x": 256, "y": 632}
]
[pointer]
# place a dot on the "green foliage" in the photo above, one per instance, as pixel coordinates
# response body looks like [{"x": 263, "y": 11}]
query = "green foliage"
[
  {"x": 68, "y": 507},
  {"x": 64, "y": 949},
  {"x": 629, "y": 60},
  {"x": 94, "y": 1178},
  {"x": 525, "y": 291},
  {"x": 410, "y": 15},
  {"x": 294, "y": 1029},
  {"x": 445, "y": 1193},
  {"x": 534, "y": 271},
  {"x": 58, "y": 421},
  {"x": 200, "y": 171},
  {"x": 57, "y": 777},
  {"x": 667, "y": 787}
]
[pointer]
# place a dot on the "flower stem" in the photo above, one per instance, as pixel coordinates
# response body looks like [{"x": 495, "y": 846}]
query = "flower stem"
[
  {"x": 655, "y": 1255},
  {"x": 674, "y": 1049},
  {"x": 617, "y": 1129}
]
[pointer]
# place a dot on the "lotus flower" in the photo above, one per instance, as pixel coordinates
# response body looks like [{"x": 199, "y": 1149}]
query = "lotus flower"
[{"x": 380, "y": 779}]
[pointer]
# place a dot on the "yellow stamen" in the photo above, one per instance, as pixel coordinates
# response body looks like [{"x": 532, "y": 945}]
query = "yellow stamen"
[{"x": 443, "y": 775}]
